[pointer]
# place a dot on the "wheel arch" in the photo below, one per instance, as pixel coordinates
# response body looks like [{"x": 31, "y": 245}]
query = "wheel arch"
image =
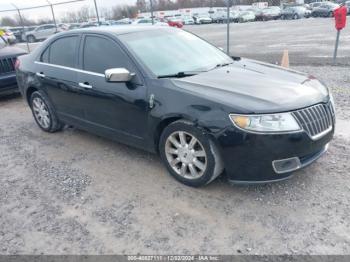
[
  {"x": 169, "y": 120},
  {"x": 161, "y": 126},
  {"x": 30, "y": 90}
]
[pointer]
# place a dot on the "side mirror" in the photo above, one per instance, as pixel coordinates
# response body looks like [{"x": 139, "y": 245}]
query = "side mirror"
[{"x": 118, "y": 75}]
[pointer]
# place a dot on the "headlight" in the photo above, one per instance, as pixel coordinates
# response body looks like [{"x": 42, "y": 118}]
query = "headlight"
[{"x": 274, "y": 123}]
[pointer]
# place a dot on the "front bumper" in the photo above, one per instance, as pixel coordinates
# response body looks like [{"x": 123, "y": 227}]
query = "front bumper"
[{"x": 257, "y": 158}]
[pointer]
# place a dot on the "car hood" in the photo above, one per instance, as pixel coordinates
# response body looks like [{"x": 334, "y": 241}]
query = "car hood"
[
  {"x": 254, "y": 87},
  {"x": 10, "y": 51}
]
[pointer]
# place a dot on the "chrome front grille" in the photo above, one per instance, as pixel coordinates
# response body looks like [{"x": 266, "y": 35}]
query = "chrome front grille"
[
  {"x": 7, "y": 65},
  {"x": 316, "y": 120}
]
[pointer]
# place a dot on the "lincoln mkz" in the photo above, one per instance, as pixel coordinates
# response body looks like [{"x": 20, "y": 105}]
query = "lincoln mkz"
[{"x": 167, "y": 91}]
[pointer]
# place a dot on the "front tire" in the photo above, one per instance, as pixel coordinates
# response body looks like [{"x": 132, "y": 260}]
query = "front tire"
[
  {"x": 44, "y": 113},
  {"x": 190, "y": 156}
]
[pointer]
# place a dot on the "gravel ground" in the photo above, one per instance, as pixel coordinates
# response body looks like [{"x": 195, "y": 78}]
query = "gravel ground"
[
  {"x": 76, "y": 193},
  {"x": 338, "y": 80}
]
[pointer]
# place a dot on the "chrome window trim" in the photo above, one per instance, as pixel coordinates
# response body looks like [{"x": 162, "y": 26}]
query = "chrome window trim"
[{"x": 71, "y": 69}]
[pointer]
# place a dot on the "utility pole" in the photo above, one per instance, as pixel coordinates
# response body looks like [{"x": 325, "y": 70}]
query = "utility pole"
[
  {"x": 53, "y": 14},
  {"x": 97, "y": 16},
  {"x": 151, "y": 2},
  {"x": 228, "y": 27},
  {"x": 21, "y": 21}
]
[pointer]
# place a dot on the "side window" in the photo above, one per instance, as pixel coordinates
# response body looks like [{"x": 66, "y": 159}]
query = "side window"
[
  {"x": 101, "y": 54},
  {"x": 63, "y": 51},
  {"x": 45, "y": 56}
]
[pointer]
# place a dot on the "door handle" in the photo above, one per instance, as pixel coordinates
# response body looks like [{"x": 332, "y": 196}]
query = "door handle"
[
  {"x": 41, "y": 74},
  {"x": 85, "y": 85}
]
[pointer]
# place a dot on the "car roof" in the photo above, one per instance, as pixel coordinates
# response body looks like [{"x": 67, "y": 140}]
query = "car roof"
[{"x": 116, "y": 30}]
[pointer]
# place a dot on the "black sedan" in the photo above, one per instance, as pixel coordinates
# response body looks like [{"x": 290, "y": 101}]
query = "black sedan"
[
  {"x": 8, "y": 56},
  {"x": 167, "y": 91}
]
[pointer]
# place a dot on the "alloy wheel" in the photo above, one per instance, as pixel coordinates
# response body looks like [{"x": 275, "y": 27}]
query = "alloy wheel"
[
  {"x": 186, "y": 155},
  {"x": 41, "y": 113}
]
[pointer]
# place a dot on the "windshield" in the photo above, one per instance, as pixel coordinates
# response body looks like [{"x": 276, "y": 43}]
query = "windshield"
[{"x": 167, "y": 52}]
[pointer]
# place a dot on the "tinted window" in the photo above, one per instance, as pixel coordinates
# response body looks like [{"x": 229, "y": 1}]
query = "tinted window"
[
  {"x": 63, "y": 51},
  {"x": 101, "y": 54},
  {"x": 45, "y": 56}
]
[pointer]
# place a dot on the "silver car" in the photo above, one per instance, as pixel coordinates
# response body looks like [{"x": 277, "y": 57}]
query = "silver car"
[{"x": 41, "y": 33}]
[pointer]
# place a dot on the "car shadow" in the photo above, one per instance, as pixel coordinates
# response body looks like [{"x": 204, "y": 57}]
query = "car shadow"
[{"x": 6, "y": 98}]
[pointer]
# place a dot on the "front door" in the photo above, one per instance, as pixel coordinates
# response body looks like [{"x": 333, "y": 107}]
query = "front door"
[{"x": 112, "y": 108}]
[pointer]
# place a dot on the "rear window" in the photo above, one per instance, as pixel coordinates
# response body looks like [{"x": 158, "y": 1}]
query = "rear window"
[{"x": 62, "y": 52}]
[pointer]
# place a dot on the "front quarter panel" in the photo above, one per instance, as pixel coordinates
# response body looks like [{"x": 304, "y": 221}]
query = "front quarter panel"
[{"x": 171, "y": 101}]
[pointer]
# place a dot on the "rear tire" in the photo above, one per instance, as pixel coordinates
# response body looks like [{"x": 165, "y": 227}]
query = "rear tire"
[
  {"x": 44, "y": 113},
  {"x": 190, "y": 156}
]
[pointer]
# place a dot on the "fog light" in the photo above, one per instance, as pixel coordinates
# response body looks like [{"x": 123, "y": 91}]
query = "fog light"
[{"x": 286, "y": 165}]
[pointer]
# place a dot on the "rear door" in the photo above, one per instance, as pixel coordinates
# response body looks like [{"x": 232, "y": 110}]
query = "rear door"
[{"x": 56, "y": 70}]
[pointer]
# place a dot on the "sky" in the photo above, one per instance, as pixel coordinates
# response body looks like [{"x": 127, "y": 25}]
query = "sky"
[{"x": 60, "y": 9}]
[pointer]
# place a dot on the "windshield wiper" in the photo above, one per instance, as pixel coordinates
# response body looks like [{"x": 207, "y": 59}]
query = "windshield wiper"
[
  {"x": 221, "y": 65},
  {"x": 181, "y": 74}
]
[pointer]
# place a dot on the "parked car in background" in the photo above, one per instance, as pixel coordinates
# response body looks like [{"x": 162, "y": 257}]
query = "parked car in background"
[
  {"x": 8, "y": 56},
  {"x": 63, "y": 26},
  {"x": 347, "y": 4},
  {"x": 203, "y": 111},
  {"x": 246, "y": 16},
  {"x": 88, "y": 25},
  {"x": 314, "y": 5},
  {"x": 295, "y": 12},
  {"x": 187, "y": 20},
  {"x": 18, "y": 32},
  {"x": 326, "y": 9},
  {"x": 269, "y": 13},
  {"x": 93, "y": 24},
  {"x": 8, "y": 35},
  {"x": 221, "y": 17},
  {"x": 27, "y": 29},
  {"x": 202, "y": 19},
  {"x": 124, "y": 21},
  {"x": 41, "y": 33},
  {"x": 148, "y": 21},
  {"x": 73, "y": 26},
  {"x": 174, "y": 22}
]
